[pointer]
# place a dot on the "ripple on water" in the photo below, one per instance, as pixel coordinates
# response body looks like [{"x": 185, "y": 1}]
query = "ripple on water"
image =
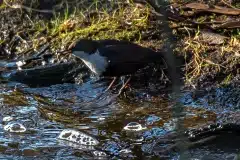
[
  {"x": 78, "y": 137},
  {"x": 147, "y": 132},
  {"x": 99, "y": 154},
  {"x": 7, "y": 119},
  {"x": 152, "y": 119},
  {"x": 15, "y": 127},
  {"x": 134, "y": 126}
]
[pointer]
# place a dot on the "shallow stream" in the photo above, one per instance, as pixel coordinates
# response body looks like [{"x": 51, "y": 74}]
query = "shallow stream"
[{"x": 54, "y": 122}]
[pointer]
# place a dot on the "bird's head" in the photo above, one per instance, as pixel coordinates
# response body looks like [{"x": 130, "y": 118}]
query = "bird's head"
[{"x": 84, "y": 47}]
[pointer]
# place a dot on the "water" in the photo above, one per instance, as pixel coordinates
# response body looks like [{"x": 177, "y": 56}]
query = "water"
[{"x": 32, "y": 121}]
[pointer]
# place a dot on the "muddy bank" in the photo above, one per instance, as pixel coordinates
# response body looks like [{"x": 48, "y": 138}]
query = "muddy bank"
[
  {"x": 45, "y": 92},
  {"x": 207, "y": 56}
]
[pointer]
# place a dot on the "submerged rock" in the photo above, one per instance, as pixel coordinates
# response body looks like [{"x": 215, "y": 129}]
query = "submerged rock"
[{"x": 43, "y": 75}]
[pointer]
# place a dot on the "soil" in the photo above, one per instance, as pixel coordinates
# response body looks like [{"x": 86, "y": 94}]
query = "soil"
[{"x": 207, "y": 57}]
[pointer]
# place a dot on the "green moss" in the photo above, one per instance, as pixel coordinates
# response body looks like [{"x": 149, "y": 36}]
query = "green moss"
[
  {"x": 227, "y": 80},
  {"x": 2, "y": 6},
  {"x": 1, "y": 41},
  {"x": 124, "y": 22}
]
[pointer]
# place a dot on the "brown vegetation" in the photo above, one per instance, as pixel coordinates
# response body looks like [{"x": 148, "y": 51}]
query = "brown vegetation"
[{"x": 207, "y": 33}]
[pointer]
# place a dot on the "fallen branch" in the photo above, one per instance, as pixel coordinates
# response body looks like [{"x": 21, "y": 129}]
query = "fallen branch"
[
  {"x": 199, "y": 7},
  {"x": 229, "y": 25}
]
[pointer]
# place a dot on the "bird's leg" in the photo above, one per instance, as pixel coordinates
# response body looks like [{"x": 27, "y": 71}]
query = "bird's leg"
[
  {"x": 119, "y": 83},
  {"x": 124, "y": 85},
  {"x": 101, "y": 80},
  {"x": 109, "y": 87},
  {"x": 111, "y": 84}
]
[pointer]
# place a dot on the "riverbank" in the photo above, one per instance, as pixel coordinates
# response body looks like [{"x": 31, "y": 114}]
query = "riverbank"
[
  {"x": 210, "y": 50},
  {"x": 51, "y": 115}
]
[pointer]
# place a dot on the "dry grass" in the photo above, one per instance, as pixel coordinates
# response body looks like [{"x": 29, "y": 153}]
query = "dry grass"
[{"x": 210, "y": 59}]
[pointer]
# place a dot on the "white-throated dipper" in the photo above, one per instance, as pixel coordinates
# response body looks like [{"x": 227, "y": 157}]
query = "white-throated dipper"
[{"x": 113, "y": 58}]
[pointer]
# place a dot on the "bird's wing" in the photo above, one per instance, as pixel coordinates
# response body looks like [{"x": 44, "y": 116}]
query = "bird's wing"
[
  {"x": 108, "y": 42},
  {"x": 122, "y": 53}
]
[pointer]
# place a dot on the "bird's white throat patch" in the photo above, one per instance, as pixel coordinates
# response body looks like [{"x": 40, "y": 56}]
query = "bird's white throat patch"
[{"x": 95, "y": 62}]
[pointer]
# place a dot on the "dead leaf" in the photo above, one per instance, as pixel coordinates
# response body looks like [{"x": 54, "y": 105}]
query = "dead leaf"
[
  {"x": 230, "y": 24},
  {"x": 237, "y": 54},
  {"x": 213, "y": 9},
  {"x": 212, "y": 38}
]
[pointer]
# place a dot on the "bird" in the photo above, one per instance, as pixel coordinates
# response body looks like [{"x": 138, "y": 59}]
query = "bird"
[{"x": 114, "y": 58}]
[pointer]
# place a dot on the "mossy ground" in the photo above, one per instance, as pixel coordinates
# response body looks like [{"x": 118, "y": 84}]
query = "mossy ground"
[{"x": 23, "y": 31}]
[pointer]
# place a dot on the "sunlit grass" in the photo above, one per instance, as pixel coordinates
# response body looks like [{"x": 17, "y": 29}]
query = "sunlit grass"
[
  {"x": 123, "y": 22},
  {"x": 202, "y": 60}
]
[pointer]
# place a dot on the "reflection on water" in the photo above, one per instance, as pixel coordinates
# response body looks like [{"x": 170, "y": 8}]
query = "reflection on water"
[{"x": 124, "y": 128}]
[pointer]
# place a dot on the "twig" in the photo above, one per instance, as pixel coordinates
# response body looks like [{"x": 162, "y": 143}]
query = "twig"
[{"x": 229, "y": 5}]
